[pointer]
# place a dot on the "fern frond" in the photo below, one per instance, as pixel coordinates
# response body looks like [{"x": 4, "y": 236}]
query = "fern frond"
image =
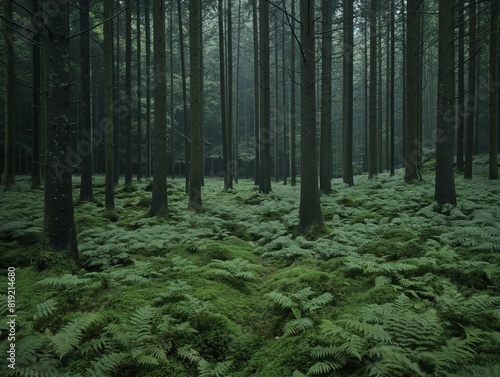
[
  {"x": 188, "y": 353},
  {"x": 297, "y": 325},
  {"x": 65, "y": 281},
  {"x": 45, "y": 308},
  {"x": 107, "y": 364},
  {"x": 282, "y": 300},
  {"x": 70, "y": 336},
  {"x": 323, "y": 367},
  {"x": 207, "y": 369}
]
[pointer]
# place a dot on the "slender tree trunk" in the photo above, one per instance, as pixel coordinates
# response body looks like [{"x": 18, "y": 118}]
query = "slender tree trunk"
[
  {"x": 348, "y": 92},
  {"x": 223, "y": 101},
  {"x": 310, "y": 215},
  {"x": 184, "y": 96},
  {"x": 392, "y": 95},
  {"x": 195, "y": 202},
  {"x": 256, "y": 98},
  {"x": 108, "y": 112},
  {"x": 59, "y": 223},
  {"x": 128, "y": 91},
  {"x": 471, "y": 95},
  {"x": 147, "y": 30},
  {"x": 461, "y": 91},
  {"x": 172, "y": 109},
  {"x": 139, "y": 92},
  {"x": 380, "y": 85},
  {"x": 230, "y": 163},
  {"x": 293, "y": 85},
  {"x": 117, "y": 101},
  {"x": 445, "y": 179},
  {"x": 276, "y": 103},
  {"x": 237, "y": 105},
  {"x": 372, "y": 142},
  {"x": 413, "y": 91},
  {"x": 159, "y": 198},
  {"x": 493, "y": 107},
  {"x": 9, "y": 69},
  {"x": 405, "y": 80},
  {"x": 283, "y": 103},
  {"x": 325, "y": 168},
  {"x": 86, "y": 192},
  {"x": 36, "y": 166},
  {"x": 265, "y": 101}
]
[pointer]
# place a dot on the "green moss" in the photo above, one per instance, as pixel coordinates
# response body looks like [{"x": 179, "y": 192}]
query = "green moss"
[
  {"x": 111, "y": 215},
  {"x": 379, "y": 295},
  {"x": 293, "y": 279},
  {"x": 237, "y": 230},
  {"x": 393, "y": 249},
  {"x": 364, "y": 217}
]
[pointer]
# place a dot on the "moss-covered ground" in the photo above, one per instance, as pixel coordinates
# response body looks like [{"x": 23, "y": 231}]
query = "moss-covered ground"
[{"x": 398, "y": 287}]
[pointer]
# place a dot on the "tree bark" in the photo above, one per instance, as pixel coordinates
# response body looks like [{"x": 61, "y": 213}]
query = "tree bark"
[
  {"x": 293, "y": 86},
  {"x": 128, "y": 92},
  {"x": 86, "y": 192},
  {"x": 310, "y": 215},
  {"x": 59, "y": 224},
  {"x": 471, "y": 93},
  {"x": 325, "y": 168},
  {"x": 139, "y": 92},
  {"x": 159, "y": 196},
  {"x": 36, "y": 161},
  {"x": 372, "y": 132},
  {"x": 348, "y": 92},
  {"x": 9, "y": 69},
  {"x": 461, "y": 91},
  {"x": 195, "y": 202},
  {"x": 445, "y": 179},
  {"x": 147, "y": 31},
  {"x": 256, "y": 99},
  {"x": 265, "y": 101},
  {"x": 493, "y": 143}
]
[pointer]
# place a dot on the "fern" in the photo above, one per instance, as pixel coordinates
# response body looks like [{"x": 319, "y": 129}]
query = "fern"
[
  {"x": 207, "y": 369},
  {"x": 45, "y": 309},
  {"x": 107, "y": 364},
  {"x": 236, "y": 269},
  {"x": 188, "y": 353},
  {"x": 70, "y": 336},
  {"x": 64, "y": 282}
]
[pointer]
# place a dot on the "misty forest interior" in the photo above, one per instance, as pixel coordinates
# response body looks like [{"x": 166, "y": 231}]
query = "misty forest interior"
[{"x": 233, "y": 188}]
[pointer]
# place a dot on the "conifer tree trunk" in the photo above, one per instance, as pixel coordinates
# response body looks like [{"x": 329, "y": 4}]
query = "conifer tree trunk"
[
  {"x": 293, "y": 86},
  {"x": 392, "y": 107},
  {"x": 445, "y": 179},
  {"x": 471, "y": 92},
  {"x": 325, "y": 168},
  {"x": 310, "y": 215},
  {"x": 493, "y": 107},
  {"x": 265, "y": 101},
  {"x": 256, "y": 99},
  {"x": 159, "y": 196},
  {"x": 9, "y": 69},
  {"x": 185, "y": 115},
  {"x": 86, "y": 192},
  {"x": 139, "y": 92},
  {"x": 36, "y": 165},
  {"x": 59, "y": 223},
  {"x": 348, "y": 92},
  {"x": 223, "y": 92},
  {"x": 147, "y": 30},
  {"x": 128, "y": 92},
  {"x": 117, "y": 98},
  {"x": 461, "y": 91},
  {"x": 195, "y": 202},
  {"x": 231, "y": 163},
  {"x": 413, "y": 91},
  {"x": 109, "y": 204},
  {"x": 372, "y": 131}
]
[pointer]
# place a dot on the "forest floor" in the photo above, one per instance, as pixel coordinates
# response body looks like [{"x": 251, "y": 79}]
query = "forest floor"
[{"x": 398, "y": 287}]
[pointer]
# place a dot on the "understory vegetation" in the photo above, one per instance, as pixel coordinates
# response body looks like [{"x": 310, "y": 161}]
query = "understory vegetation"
[{"x": 399, "y": 287}]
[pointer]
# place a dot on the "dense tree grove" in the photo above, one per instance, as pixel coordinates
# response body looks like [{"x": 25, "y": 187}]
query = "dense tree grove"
[{"x": 245, "y": 62}]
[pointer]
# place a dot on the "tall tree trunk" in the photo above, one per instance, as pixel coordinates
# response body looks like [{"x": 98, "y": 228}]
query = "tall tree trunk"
[
  {"x": 405, "y": 80},
  {"x": 380, "y": 85},
  {"x": 493, "y": 107},
  {"x": 108, "y": 112},
  {"x": 392, "y": 107},
  {"x": 310, "y": 215},
  {"x": 9, "y": 162},
  {"x": 172, "y": 109},
  {"x": 128, "y": 91},
  {"x": 36, "y": 166},
  {"x": 237, "y": 105},
  {"x": 471, "y": 93},
  {"x": 445, "y": 179},
  {"x": 159, "y": 197},
  {"x": 413, "y": 91},
  {"x": 223, "y": 100},
  {"x": 256, "y": 99},
  {"x": 195, "y": 202},
  {"x": 372, "y": 142},
  {"x": 230, "y": 163},
  {"x": 60, "y": 234},
  {"x": 348, "y": 92},
  {"x": 265, "y": 101},
  {"x": 293, "y": 86},
  {"x": 117, "y": 100},
  {"x": 139, "y": 92},
  {"x": 283, "y": 102},
  {"x": 147, "y": 30},
  {"x": 325, "y": 152},
  {"x": 185, "y": 115},
  {"x": 86, "y": 192},
  {"x": 461, "y": 91}
]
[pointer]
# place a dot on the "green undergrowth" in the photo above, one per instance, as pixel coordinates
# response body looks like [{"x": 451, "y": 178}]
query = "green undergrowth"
[{"x": 396, "y": 287}]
